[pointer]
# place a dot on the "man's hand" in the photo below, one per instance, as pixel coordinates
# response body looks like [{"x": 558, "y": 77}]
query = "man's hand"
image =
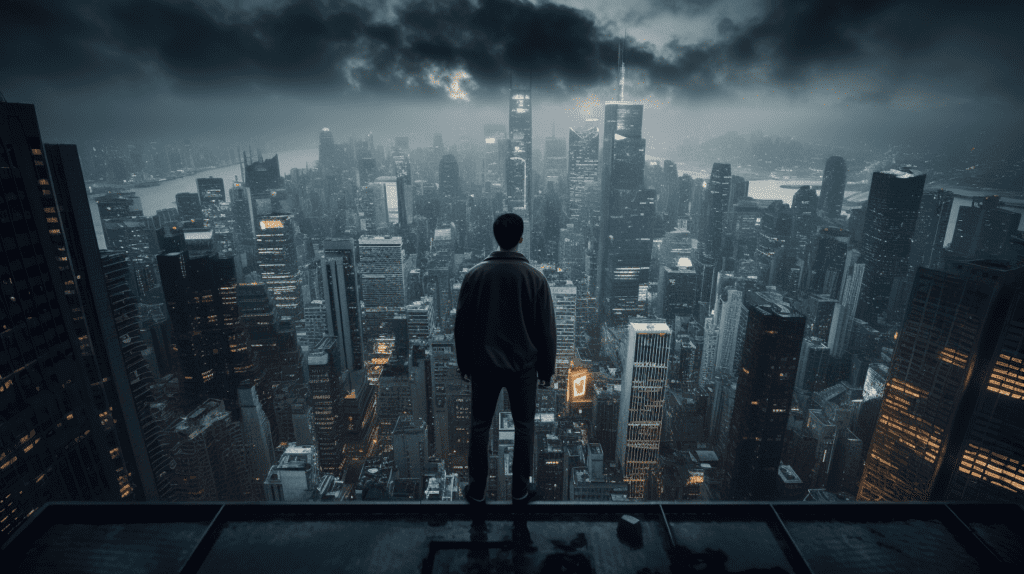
[
  {"x": 544, "y": 383},
  {"x": 466, "y": 378}
]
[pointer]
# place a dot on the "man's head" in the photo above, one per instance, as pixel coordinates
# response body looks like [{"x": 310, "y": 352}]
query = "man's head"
[{"x": 508, "y": 231}]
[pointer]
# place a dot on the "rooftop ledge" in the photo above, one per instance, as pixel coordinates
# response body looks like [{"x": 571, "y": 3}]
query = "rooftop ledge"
[{"x": 435, "y": 537}]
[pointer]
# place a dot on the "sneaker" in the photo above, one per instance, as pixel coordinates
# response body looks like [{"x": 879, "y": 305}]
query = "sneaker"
[
  {"x": 530, "y": 495},
  {"x": 472, "y": 501}
]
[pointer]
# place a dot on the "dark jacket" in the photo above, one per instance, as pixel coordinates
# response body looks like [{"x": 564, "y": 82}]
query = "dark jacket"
[{"x": 505, "y": 320}]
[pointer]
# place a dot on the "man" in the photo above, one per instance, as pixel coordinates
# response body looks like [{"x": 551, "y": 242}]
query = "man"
[{"x": 504, "y": 337}]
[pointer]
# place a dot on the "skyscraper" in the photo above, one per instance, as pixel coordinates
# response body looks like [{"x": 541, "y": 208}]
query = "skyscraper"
[
  {"x": 211, "y": 190},
  {"x": 519, "y": 168},
  {"x": 930, "y": 230},
  {"x": 496, "y": 155},
  {"x": 938, "y": 417},
  {"x": 39, "y": 360},
  {"x": 341, "y": 299},
  {"x": 893, "y": 204},
  {"x": 714, "y": 208},
  {"x": 213, "y": 348},
  {"x": 764, "y": 391},
  {"x": 983, "y": 229},
  {"x": 564, "y": 295},
  {"x": 209, "y": 455},
  {"x": 843, "y": 315},
  {"x": 326, "y": 396},
  {"x": 641, "y": 406},
  {"x": 833, "y": 187},
  {"x": 382, "y": 283},
  {"x": 277, "y": 257},
  {"x": 622, "y": 186},
  {"x": 328, "y": 151}
]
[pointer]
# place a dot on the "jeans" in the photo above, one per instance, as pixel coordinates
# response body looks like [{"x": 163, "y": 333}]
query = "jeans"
[{"x": 522, "y": 398}]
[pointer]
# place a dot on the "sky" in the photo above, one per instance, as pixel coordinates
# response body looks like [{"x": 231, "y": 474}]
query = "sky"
[{"x": 828, "y": 71}]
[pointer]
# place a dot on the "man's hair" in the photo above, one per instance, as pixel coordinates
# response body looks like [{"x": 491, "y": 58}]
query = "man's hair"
[{"x": 508, "y": 228}]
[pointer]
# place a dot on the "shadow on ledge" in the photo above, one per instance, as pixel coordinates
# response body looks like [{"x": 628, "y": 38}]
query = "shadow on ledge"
[{"x": 642, "y": 538}]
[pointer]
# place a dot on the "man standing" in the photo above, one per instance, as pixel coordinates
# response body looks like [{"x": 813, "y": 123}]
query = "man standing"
[{"x": 504, "y": 337}]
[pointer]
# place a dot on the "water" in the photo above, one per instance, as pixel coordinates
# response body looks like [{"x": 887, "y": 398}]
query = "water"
[{"x": 163, "y": 196}]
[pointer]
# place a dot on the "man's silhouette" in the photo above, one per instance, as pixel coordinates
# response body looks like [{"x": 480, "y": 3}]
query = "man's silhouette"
[{"x": 504, "y": 337}]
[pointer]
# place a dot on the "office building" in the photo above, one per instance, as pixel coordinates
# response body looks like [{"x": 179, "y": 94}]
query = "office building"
[
  {"x": 39, "y": 354},
  {"x": 213, "y": 348},
  {"x": 381, "y": 282},
  {"x": 584, "y": 168},
  {"x": 930, "y": 230},
  {"x": 277, "y": 258},
  {"x": 209, "y": 457},
  {"x": 764, "y": 391},
  {"x": 716, "y": 200},
  {"x": 893, "y": 203},
  {"x": 257, "y": 443},
  {"x": 641, "y": 406},
  {"x": 828, "y": 256},
  {"x": 496, "y": 155},
  {"x": 564, "y": 295},
  {"x": 326, "y": 394},
  {"x": 410, "y": 444},
  {"x": 983, "y": 229},
  {"x": 775, "y": 229},
  {"x": 296, "y": 475},
  {"x": 841, "y": 329},
  {"x": 211, "y": 190},
  {"x": 519, "y": 165},
  {"x": 341, "y": 289},
  {"x": 938, "y": 417},
  {"x": 833, "y": 187},
  {"x": 262, "y": 176}
]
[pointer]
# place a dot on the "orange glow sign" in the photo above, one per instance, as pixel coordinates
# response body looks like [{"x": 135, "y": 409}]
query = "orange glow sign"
[
  {"x": 271, "y": 224},
  {"x": 579, "y": 386}
]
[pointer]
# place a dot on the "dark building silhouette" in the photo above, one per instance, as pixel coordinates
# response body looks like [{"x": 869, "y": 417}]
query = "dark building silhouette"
[
  {"x": 833, "y": 187},
  {"x": 775, "y": 229},
  {"x": 711, "y": 237},
  {"x": 53, "y": 446},
  {"x": 764, "y": 392},
  {"x": 263, "y": 175},
  {"x": 328, "y": 158},
  {"x": 893, "y": 204},
  {"x": 213, "y": 348},
  {"x": 327, "y": 394},
  {"x": 338, "y": 277},
  {"x": 983, "y": 230},
  {"x": 805, "y": 219},
  {"x": 938, "y": 418}
]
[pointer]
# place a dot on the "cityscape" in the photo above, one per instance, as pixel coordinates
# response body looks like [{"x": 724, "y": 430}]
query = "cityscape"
[{"x": 740, "y": 316}]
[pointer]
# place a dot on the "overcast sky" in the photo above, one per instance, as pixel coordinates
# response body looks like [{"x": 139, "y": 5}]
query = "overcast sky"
[{"x": 278, "y": 70}]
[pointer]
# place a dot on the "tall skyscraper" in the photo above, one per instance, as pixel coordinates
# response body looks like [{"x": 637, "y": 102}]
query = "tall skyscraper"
[
  {"x": 711, "y": 236},
  {"x": 584, "y": 168},
  {"x": 622, "y": 187},
  {"x": 328, "y": 151},
  {"x": 641, "y": 406},
  {"x": 338, "y": 277},
  {"x": 893, "y": 204},
  {"x": 382, "y": 283},
  {"x": 938, "y": 418},
  {"x": 775, "y": 228},
  {"x": 519, "y": 168},
  {"x": 277, "y": 257},
  {"x": 326, "y": 397},
  {"x": 213, "y": 348},
  {"x": 833, "y": 187},
  {"x": 209, "y": 456},
  {"x": 986, "y": 464},
  {"x": 211, "y": 190},
  {"x": 843, "y": 315},
  {"x": 828, "y": 256},
  {"x": 257, "y": 444},
  {"x": 764, "y": 391},
  {"x": 262, "y": 176},
  {"x": 564, "y": 295},
  {"x": 40, "y": 363},
  {"x": 496, "y": 155}
]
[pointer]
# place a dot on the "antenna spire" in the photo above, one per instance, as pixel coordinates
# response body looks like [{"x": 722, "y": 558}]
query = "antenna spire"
[{"x": 622, "y": 75}]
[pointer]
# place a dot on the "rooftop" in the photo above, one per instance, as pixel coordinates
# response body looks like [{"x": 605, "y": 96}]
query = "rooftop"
[{"x": 799, "y": 537}]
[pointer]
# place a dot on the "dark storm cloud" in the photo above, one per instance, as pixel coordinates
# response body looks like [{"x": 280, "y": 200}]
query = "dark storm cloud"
[{"x": 308, "y": 47}]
